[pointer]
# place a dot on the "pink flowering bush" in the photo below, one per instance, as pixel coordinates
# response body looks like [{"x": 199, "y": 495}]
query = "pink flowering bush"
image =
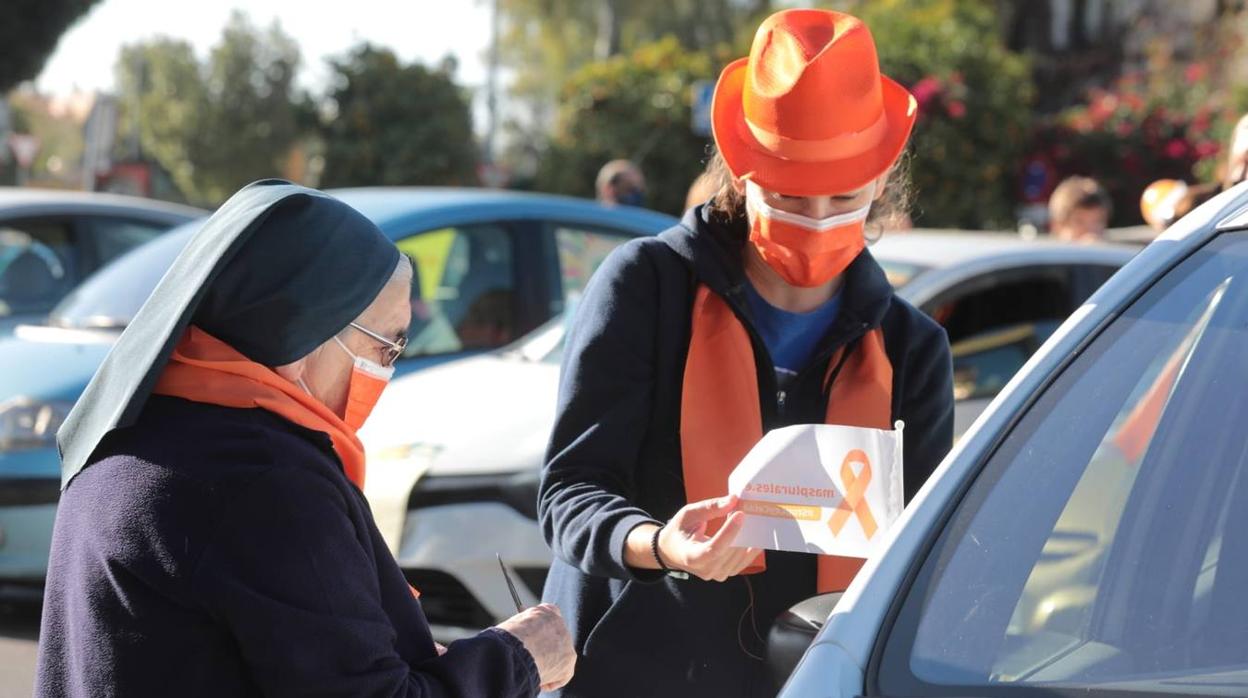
[
  {"x": 1170, "y": 122},
  {"x": 974, "y": 99}
]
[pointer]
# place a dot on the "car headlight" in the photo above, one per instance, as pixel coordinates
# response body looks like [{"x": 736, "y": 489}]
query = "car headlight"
[
  {"x": 27, "y": 424},
  {"x": 516, "y": 490}
]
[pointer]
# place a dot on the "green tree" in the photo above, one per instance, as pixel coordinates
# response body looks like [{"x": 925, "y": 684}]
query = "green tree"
[
  {"x": 29, "y": 33},
  {"x": 974, "y": 106},
  {"x": 60, "y": 139},
  {"x": 251, "y": 110},
  {"x": 634, "y": 106},
  {"x": 164, "y": 107},
  {"x": 216, "y": 126},
  {"x": 394, "y": 124},
  {"x": 546, "y": 41}
]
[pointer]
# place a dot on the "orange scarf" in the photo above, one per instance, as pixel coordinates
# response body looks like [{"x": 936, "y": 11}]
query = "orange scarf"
[
  {"x": 205, "y": 369},
  {"x": 721, "y": 418}
]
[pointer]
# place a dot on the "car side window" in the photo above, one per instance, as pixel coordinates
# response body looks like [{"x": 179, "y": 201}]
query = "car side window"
[
  {"x": 462, "y": 290},
  {"x": 1097, "y": 275},
  {"x": 38, "y": 264},
  {"x": 109, "y": 238},
  {"x": 1103, "y": 544},
  {"x": 581, "y": 250},
  {"x": 996, "y": 321}
]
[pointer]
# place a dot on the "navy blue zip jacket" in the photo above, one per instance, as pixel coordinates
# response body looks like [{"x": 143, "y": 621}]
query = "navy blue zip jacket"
[
  {"x": 212, "y": 551},
  {"x": 614, "y": 461}
]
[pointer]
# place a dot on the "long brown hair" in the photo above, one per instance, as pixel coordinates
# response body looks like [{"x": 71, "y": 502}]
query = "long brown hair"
[{"x": 729, "y": 204}]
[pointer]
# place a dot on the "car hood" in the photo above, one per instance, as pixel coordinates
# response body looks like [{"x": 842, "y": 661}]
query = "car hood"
[
  {"x": 49, "y": 364},
  {"x": 486, "y": 414}
]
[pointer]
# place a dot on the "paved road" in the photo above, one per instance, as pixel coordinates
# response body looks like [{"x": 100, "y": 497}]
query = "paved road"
[{"x": 19, "y": 628}]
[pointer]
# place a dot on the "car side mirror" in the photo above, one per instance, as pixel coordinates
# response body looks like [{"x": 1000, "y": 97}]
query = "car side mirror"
[{"x": 793, "y": 632}]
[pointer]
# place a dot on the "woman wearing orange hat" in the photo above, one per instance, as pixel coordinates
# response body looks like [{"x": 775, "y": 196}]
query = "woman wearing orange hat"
[{"x": 763, "y": 309}]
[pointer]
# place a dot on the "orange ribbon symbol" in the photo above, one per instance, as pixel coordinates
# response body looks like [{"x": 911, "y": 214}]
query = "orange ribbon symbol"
[{"x": 855, "y": 499}]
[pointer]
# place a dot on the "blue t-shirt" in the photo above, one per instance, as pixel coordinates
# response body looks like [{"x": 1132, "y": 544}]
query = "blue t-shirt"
[{"x": 791, "y": 338}]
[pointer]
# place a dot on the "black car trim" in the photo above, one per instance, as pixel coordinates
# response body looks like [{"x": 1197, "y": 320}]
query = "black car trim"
[
  {"x": 518, "y": 491},
  {"x": 29, "y": 491}
]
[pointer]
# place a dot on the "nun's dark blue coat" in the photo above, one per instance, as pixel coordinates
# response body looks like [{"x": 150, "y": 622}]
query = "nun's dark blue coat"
[{"x": 210, "y": 551}]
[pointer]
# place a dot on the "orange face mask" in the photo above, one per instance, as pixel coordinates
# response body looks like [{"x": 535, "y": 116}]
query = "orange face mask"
[
  {"x": 805, "y": 251},
  {"x": 368, "y": 380}
]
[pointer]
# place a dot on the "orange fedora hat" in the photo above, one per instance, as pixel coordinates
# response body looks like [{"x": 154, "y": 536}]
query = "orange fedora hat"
[{"x": 808, "y": 112}]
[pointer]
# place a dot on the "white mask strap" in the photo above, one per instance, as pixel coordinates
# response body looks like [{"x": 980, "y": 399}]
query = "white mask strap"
[
  {"x": 370, "y": 367},
  {"x": 343, "y": 345},
  {"x": 755, "y": 198}
]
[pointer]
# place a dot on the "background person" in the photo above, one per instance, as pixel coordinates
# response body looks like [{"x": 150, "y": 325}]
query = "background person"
[
  {"x": 620, "y": 182},
  {"x": 1079, "y": 210}
]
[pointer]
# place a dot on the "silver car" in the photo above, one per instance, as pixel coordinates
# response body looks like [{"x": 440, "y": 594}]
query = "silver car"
[{"x": 1089, "y": 534}]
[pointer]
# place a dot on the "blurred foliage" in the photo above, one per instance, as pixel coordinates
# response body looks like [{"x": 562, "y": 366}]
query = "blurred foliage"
[
  {"x": 1168, "y": 119},
  {"x": 545, "y": 42},
  {"x": 213, "y": 126},
  {"x": 974, "y": 101},
  {"x": 60, "y": 139},
  {"x": 394, "y": 124},
  {"x": 29, "y": 33},
  {"x": 634, "y": 106}
]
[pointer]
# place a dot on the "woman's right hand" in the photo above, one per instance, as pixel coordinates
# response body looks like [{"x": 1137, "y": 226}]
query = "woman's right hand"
[
  {"x": 545, "y": 635},
  {"x": 684, "y": 544}
]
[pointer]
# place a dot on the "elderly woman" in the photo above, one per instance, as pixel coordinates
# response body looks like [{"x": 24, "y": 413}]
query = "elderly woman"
[{"x": 212, "y": 538}]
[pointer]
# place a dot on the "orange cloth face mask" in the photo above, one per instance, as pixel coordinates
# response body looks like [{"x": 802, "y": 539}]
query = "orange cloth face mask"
[
  {"x": 368, "y": 380},
  {"x": 805, "y": 251}
]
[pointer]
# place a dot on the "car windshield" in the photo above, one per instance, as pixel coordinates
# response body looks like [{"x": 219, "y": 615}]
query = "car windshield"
[
  {"x": 110, "y": 298},
  {"x": 1104, "y": 543},
  {"x": 33, "y": 275}
]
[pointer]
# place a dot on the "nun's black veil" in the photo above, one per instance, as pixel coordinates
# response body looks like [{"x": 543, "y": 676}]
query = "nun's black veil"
[{"x": 277, "y": 271}]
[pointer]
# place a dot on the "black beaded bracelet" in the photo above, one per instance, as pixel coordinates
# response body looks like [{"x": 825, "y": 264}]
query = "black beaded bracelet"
[{"x": 654, "y": 548}]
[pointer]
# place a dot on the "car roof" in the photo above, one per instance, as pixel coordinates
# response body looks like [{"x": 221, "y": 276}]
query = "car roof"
[
  {"x": 392, "y": 208},
  {"x": 938, "y": 248},
  {"x": 35, "y": 201}
]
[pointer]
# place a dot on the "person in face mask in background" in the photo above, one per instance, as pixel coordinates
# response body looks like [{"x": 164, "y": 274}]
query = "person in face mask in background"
[
  {"x": 763, "y": 309},
  {"x": 621, "y": 183},
  {"x": 212, "y": 538}
]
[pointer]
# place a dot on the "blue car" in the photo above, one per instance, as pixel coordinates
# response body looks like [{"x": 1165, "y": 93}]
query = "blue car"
[
  {"x": 50, "y": 240},
  {"x": 490, "y": 266}
]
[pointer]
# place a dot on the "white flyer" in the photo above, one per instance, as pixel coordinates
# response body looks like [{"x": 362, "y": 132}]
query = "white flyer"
[{"x": 820, "y": 488}]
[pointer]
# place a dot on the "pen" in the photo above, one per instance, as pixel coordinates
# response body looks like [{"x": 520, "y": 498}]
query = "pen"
[{"x": 511, "y": 586}]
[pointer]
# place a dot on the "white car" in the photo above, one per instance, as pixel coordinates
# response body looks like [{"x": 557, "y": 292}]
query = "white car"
[
  {"x": 454, "y": 452},
  {"x": 1089, "y": 534}
]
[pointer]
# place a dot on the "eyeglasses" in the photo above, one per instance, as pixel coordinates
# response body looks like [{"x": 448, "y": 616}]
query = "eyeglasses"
[{"x": 393, "y": 349}]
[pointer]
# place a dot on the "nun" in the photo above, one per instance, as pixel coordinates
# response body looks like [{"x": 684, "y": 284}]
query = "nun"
[{"x": 212, "y": 538}]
